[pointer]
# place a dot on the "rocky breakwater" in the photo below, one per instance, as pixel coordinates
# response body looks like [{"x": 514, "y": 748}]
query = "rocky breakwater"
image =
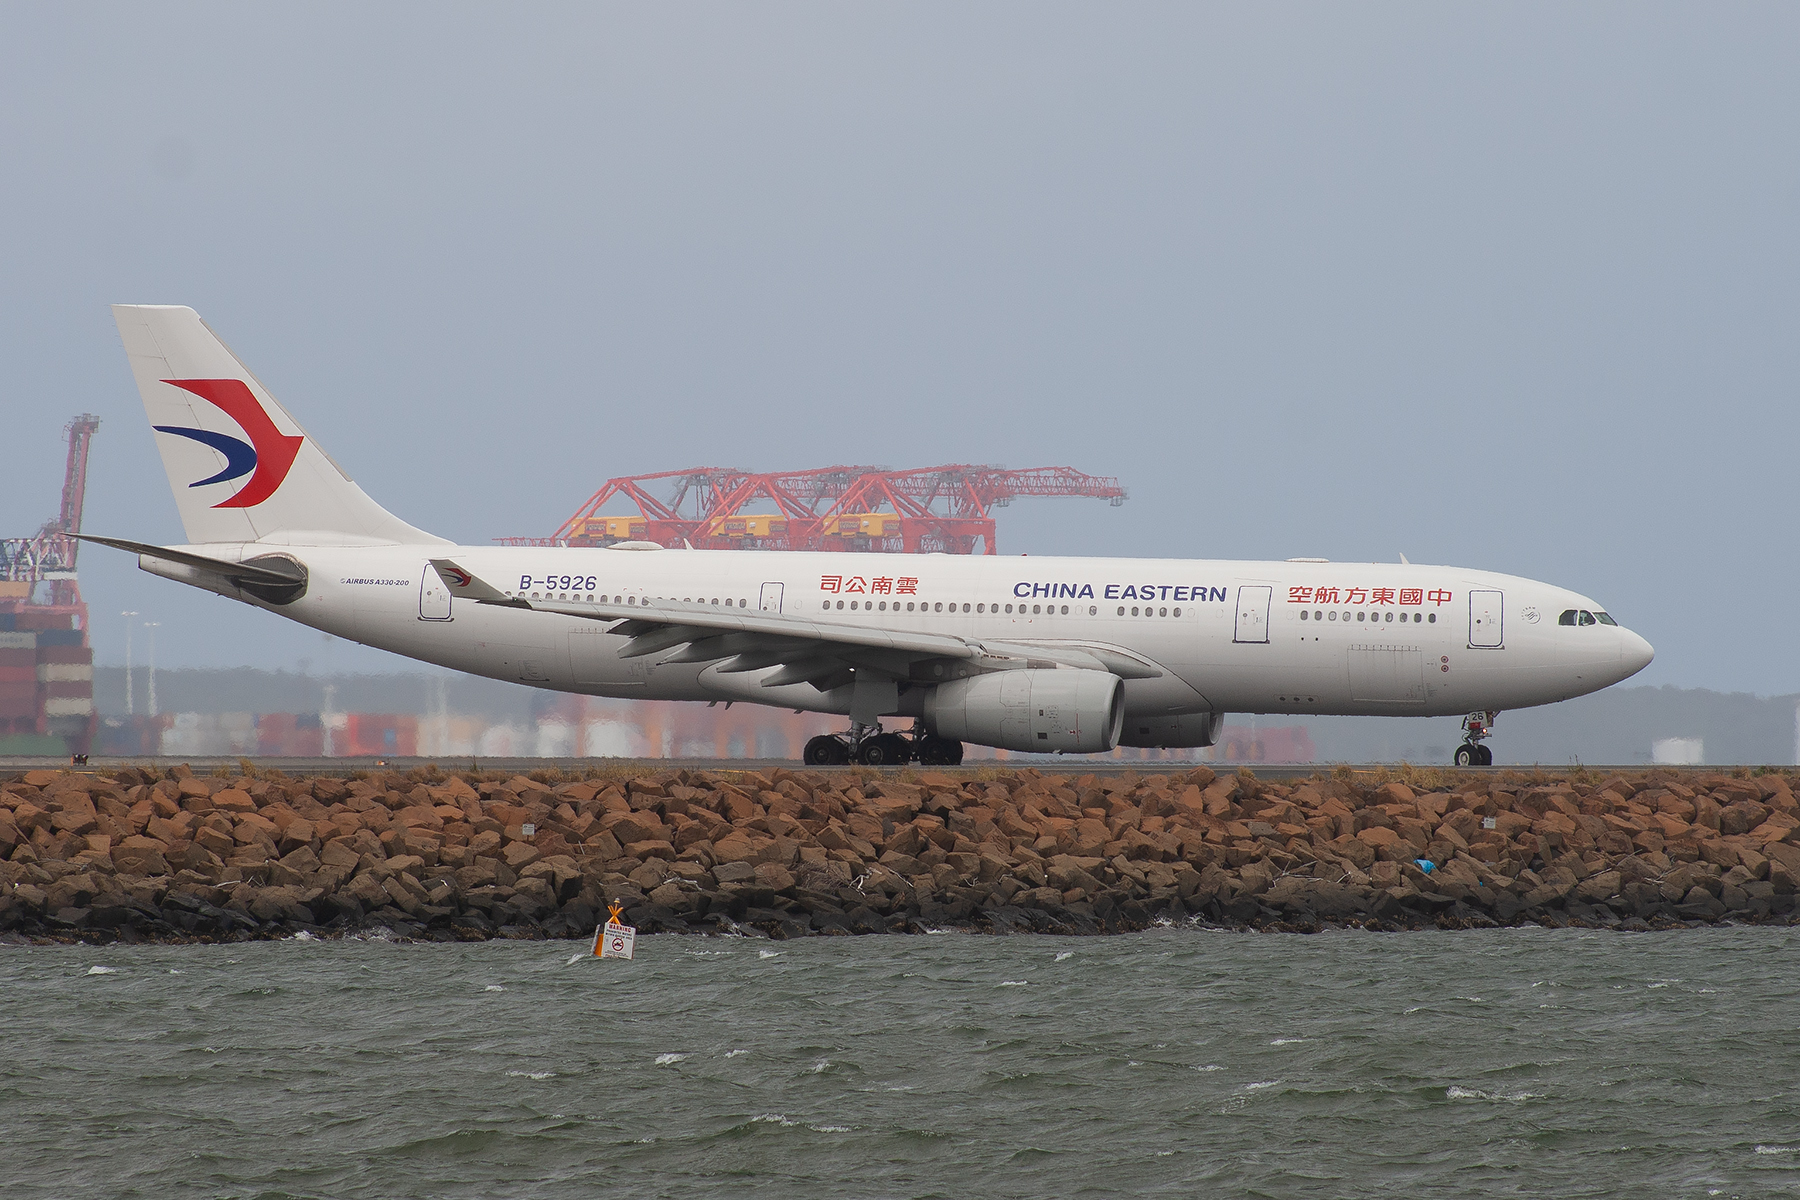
[{"x": 138, "y": 855}]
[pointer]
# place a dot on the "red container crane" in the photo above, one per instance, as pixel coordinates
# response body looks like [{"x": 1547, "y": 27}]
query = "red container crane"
[
  {"x": 46, "y": 662},
  {"x": 929, "y": 510}
]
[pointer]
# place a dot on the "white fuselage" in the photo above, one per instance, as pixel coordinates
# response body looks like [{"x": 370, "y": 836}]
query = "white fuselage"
[{"x": 1249, "y": 637}]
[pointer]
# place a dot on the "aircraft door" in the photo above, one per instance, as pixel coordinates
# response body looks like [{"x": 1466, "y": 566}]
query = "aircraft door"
[
  {"x": 770, "y": 601},
  {"x": 434, "y": 597},
  {"x": 1487, "y": 628},
  {"x": 1252, "y": 614}
]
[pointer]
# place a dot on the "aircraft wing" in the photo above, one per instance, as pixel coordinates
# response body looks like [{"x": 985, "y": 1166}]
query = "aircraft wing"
[{"x": 822, "y": 653}]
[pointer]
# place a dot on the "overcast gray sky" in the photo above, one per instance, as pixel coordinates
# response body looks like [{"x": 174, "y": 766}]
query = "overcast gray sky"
[{"x": 1508, "y": 286}]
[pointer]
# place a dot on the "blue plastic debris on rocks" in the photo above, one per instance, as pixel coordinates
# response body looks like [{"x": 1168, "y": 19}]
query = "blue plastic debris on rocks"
[{"x": 1425, "y": 865}]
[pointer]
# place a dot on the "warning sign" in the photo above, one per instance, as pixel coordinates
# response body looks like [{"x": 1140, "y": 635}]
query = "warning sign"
[{"x": 613, "y": 940}]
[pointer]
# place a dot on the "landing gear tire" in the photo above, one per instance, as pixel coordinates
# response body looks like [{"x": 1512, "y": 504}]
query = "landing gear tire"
[
  {"x": 939, "y": 752},
  {"x": 884, "y": 750},
  {"x": 1474, "y": 756},
  {"x": 1477, "y": 727},
  {"x": 825, "y": 751}
]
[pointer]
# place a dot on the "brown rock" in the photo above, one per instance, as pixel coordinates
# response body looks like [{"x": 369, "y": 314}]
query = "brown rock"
[
  {"x": 234, "y": 800},
  {"x": 670, "y": 895},
  {"x": 1786, "y": 854},
  {"x": 902, "y": 864},
  {"x": 75, "y": 820},
  {"x": 563, "y": 874},
  {"x": 520, "y": 854},
  {"x": 302, "y": 860},
  {"x": 1719, "y": 853},
  {"x": 405, "y": 892},
  {"x": 1377, "y": 836},
  {"x": 1392, "y": 793},
  {"x": 651, "y": 849},
  {"x": 404, "y": 864},
  {"x": 215, "y": 840},
  {"x": 773, "y": 877},
  {"x": 737, "y": 847},
  {"x": 604, "y": 845}
]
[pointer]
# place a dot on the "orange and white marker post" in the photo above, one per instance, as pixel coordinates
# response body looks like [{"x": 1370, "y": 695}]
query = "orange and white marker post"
[{"x": 615, "y": 939}]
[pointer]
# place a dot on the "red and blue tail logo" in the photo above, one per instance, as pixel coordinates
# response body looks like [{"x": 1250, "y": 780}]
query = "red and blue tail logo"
[{"x": 267, "y": 457}]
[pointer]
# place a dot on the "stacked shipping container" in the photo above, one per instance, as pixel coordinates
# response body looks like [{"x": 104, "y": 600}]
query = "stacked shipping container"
[{"x": 46, "y": 676}]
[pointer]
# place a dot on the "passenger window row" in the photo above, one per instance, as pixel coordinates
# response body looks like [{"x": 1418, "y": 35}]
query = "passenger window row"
[
  {"x": 596, "y": 599},
  {"x": 1046, "y": 610}
]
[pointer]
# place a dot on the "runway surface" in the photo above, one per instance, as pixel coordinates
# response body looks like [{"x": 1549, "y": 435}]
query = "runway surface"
[{"x": 207, "y": 764}]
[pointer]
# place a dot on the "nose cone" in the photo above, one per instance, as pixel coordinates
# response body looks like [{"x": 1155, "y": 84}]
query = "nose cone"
[{"x": 1634, "y": 653}]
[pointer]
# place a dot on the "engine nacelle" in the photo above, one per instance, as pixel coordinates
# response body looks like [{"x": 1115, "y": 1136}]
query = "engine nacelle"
[
  {"x": 1078, "y": 712},
  {"x": 1189, "y": 729}
]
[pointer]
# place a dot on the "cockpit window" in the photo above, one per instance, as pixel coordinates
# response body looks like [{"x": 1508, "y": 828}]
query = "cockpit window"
[
  {"x": 1568, "y": 617},
  {"x": 1604, "y": 619},
  {"x": 1587, "y": 618}
]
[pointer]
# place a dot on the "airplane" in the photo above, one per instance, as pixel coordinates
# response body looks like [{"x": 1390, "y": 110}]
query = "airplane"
[{"x": 1032, "y": 655}]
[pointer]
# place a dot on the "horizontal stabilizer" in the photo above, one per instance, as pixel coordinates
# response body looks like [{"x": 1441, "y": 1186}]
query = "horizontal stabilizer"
[
  {"x": 274, "y": 578},
  {"x": 269, "y": 571}
]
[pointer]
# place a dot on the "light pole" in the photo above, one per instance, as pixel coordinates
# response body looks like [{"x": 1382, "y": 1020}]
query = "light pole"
[
  {"x": 128, "y": 615},
  {"x": 151, "y": 626}
]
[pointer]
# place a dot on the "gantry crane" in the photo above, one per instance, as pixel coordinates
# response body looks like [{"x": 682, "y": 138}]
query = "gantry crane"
[
  {"x": 46, "y": 663},
  {"x": 932, "y": 509}
]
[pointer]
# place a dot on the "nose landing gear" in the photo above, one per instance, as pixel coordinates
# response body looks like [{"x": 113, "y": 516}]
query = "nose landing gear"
[
  {"x": 1477, "y": 728},
  {"x": 873, "y": 748}
]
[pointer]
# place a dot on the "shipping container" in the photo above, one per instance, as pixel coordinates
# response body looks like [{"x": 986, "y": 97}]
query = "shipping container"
[
  {"x": 17, "y": 699},
  {"x": 19, "y": 674},
  {"x": 367, "y": 734},
  {"x": 65, "y": 673},
  {"x": 32, "y": 618},
  {"x": 19, "y": 658},
  {"x": 70, "y": 706},
  {"x": 10, "y": 640},
  {"x": 61, "y": 636},
  {"x": 50, "y": 652},
  {"x": 64, "y": 689}
]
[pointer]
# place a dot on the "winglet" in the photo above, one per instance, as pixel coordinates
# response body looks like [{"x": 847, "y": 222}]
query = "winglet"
[{"x": 465, "y": 585}]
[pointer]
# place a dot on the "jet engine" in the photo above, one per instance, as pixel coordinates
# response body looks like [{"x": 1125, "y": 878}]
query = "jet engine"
[
  {"x": 1042, "y": 711},
  {"x": 1186, "y": 730}
]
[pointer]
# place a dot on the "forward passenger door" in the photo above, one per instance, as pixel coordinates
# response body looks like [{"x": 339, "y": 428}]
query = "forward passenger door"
[
  {"x": 1487, "y": 629},
  {"x": 1252, "y": 614}
]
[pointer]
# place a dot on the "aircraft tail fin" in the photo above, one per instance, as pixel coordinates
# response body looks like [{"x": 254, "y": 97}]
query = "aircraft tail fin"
[{"x": 241, "y": 468}]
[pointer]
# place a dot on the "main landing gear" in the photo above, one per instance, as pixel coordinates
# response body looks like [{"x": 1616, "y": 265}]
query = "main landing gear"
[
  {"x": 873, "y": 748},
  {"x": 1477, "y": 728}
]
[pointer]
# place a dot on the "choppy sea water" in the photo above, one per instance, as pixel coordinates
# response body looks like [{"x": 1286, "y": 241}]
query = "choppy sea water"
[{"x": 1180, "y": 1062}]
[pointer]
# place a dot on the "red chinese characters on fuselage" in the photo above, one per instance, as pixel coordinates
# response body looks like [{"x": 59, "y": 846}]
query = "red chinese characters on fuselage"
[
  {"x": 1404, "y": 597},
  {"x": 881, "y": 585}
]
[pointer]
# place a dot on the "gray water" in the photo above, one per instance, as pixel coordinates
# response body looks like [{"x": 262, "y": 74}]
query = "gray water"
[{"x": 1179, "y": 1062}]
